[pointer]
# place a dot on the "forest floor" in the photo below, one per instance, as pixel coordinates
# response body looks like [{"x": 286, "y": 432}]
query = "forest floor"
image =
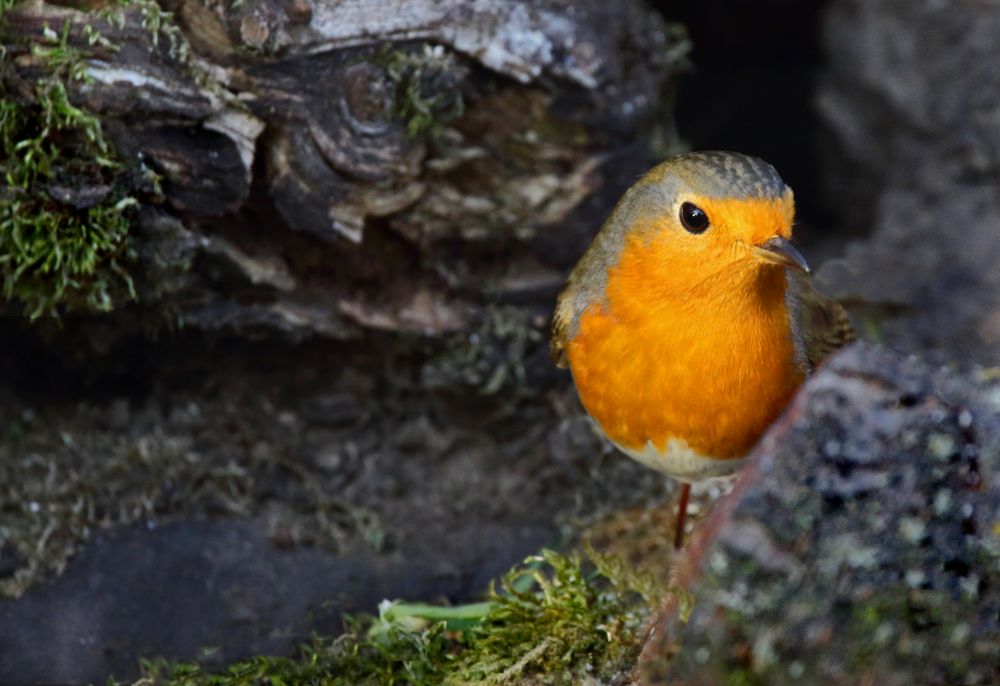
[{"x": 238, "y": 509}]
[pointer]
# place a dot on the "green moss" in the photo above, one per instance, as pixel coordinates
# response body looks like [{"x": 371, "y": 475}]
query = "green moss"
[
  {"x": 64, "y": 218},
  {"x": 555, "y": 619},
  {"x": 426, "y": 85},
  {"x": 873, "y": 326},
  {"x": 573, "y": 621},
  {"x": 744, "y": 677},
  {"x": 399, "y": 656},
  {"x": 489, "y": 359},
  {"x": 154, "y": 19}
]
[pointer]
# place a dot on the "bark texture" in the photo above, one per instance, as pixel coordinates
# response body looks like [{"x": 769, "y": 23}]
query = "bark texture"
[{"x": 329, "y": 168}]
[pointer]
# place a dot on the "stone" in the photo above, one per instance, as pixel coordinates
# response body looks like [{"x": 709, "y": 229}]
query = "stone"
[
  {"x": 879, "y": 567},
  {"x": 912, "y": 96}
]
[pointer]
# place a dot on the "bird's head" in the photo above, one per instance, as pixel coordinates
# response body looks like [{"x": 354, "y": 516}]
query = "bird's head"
[{"x": 708, "y": 214}]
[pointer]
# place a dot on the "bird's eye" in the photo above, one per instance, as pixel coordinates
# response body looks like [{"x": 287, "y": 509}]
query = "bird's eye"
[{"x": 693, "y": 218}]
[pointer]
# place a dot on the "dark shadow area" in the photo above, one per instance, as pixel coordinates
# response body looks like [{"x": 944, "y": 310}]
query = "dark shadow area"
[{"x": 755, "y": 69}]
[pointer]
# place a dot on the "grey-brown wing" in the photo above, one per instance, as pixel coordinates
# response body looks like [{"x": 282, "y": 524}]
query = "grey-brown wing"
[
  {"x": 561, "y": 319},
  {"x": 821, "y": 325}
]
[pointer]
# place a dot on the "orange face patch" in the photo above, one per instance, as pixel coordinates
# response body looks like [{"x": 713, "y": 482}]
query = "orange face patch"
[{"x": 751, "y": 221}]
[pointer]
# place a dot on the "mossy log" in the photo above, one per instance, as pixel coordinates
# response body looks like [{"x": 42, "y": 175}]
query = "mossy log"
[{"x": 325, "y": 168}]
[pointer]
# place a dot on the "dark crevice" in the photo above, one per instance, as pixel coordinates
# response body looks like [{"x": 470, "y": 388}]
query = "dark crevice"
[{"x": 752, "y": 89}]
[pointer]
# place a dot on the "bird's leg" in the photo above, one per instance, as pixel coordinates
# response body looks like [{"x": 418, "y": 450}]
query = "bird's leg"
[{"x": 682, "y": 510}]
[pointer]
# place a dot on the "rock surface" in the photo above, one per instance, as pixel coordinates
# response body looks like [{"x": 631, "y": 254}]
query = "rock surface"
[
  {"x": 861, "y": 546},
  {"x": 913, "y": 97}
]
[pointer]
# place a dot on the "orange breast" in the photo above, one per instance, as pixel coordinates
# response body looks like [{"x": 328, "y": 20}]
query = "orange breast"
[{"x": 674, "y": 352}]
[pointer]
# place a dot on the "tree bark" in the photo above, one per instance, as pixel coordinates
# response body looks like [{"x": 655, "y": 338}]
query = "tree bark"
[{"x": 334, "y": 167}]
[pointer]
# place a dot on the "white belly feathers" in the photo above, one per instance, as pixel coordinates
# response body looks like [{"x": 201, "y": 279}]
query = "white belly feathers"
[{"x": 678, "y": 461}]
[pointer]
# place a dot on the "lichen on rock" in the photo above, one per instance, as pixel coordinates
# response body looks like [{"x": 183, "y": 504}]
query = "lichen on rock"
[{"x": 862, "y": 543}]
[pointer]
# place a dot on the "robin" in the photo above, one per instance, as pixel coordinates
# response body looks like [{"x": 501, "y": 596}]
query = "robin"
[{"x": 691, "y": 319}]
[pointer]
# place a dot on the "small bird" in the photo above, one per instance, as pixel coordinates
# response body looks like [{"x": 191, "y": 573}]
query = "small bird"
[{"x": 691, "y": 319}]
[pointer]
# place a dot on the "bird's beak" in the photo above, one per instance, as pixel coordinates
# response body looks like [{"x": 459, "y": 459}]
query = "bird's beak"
[{"x": 779, "y": 251}]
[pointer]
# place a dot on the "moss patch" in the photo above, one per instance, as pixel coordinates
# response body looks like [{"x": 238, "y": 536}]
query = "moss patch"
[
  {"x": 426, "y": 83},
  {"x": 555, "y": 619},
  {"x": 491, "y": 358},
  {"x": 64, "y": 216}
]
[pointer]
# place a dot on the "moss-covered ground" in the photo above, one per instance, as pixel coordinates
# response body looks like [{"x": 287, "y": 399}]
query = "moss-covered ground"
[
  {"x": 59, "y": 487},
  {"x": 555, "y": 619}
]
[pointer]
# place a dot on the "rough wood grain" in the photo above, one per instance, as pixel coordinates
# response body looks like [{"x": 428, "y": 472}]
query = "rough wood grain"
[{"x": 406, "y": 163}]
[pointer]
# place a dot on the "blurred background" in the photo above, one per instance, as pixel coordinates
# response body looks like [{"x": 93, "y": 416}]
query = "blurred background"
[{"x": 276, "y": 344}]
